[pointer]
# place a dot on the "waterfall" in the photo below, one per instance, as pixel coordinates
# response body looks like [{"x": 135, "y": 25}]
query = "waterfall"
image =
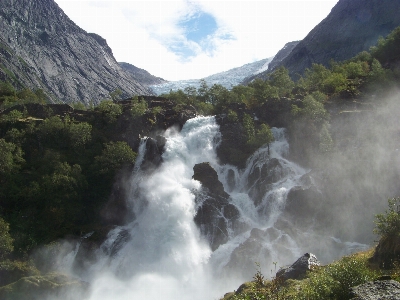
[{"x": 162, "y": 254}]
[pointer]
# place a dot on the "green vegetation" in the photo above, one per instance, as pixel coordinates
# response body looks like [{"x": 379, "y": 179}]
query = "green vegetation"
[
  {"x": 57, "y": 170},
  {"x": 334, "y": 281},
  {"x": 388, "y": 223},
  {"x": 328, "y": 282}
]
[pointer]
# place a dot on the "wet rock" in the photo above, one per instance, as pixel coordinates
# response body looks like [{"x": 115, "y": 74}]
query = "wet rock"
[
  {"x": 208, "y": 177},
  {"x": 232, "y": 149},
  {"x": 261, "y": 178},
  {"x": 303, "y": 206},
  {"x": 116, "y": 210},
  {"x": 154, "y": 150},
  {"x": 214, "y": 214},
  {"x": 299, "y": 268},
  {"x": 376, "y": 290}
]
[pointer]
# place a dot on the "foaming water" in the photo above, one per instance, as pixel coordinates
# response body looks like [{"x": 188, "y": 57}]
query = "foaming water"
[{"x": 162, "y": 254}]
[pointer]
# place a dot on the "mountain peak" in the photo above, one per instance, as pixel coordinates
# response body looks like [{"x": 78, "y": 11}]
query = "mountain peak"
[{"x": 45, "y": 49}]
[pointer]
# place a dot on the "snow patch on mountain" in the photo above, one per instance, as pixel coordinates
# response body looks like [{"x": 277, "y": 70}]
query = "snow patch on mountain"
[{"x": 227, "y": 79}]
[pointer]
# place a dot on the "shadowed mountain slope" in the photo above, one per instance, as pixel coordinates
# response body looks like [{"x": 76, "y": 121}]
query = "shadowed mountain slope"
[{"x": 40, "y": 47}]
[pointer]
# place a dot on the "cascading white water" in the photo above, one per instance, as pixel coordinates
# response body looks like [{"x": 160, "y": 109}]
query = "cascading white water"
[{"x": 162, "y": 255}]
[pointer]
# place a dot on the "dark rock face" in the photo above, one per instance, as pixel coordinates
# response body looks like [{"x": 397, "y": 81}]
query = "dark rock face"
[
  {"x": 154, "y": 150},
  {"x": 304, "y": 206},
  {"x": 141, "y": 75},
  {"x": 387, "y": 252},
  {"x": 377, "y": 290},
  {"x": 351, "y": 27},
  {"x": 299, "y": 268},
  {"x": 215, "y": 214},
  {"x": 231, "y": 149},
  {"x": 45, "y": 49}
]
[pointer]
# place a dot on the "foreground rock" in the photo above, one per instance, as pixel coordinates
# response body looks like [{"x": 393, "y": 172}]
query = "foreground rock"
[
  {"x": 299, "y": 269},
  {"x": 41, "y": 287},
  {"x": 214, "y": 215},
  {"x": 377, "y": 290}
]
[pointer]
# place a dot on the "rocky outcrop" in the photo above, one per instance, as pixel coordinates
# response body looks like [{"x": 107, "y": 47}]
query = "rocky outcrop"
[
  {"x": 351, "y": 27},
  {"x": 232, "y": 148},
  {"x": 376, "y": 290},
  {"x": 40, "y": 47},
  {"x": 214, "y": 214},
  {"x": 387, "y": 252},
  {"x": 42, "y": 287},
  {"x": 304, "y": 206},
  {"x": 141, "y": 75},
  {"x": 299, "y": 268}
]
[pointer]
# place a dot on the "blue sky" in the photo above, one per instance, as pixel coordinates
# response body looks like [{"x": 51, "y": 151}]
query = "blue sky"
[{"x": 184, "y": 39}]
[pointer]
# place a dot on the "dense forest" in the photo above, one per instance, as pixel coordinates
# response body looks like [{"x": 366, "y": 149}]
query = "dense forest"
[{"x": 58, "y": 162}]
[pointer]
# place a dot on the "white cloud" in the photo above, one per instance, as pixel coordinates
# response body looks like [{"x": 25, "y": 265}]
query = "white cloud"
[{"x": 145, "y": 33}]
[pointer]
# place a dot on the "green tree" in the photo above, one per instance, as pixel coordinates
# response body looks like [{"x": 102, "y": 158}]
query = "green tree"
[
  {"x": 12, "y": 117},
  {"x": 312, "y": 110},
  {"x": 115, "y": 95},
  {"x": 109, "y": 110},
  {"x": 114, "y": 156},
  {"x": 281, "y": 80},
  {"x": 6, "y": 241},
  {"x": 388, "y": 223},
  {"x": 264, "y": 135},
  {"x": 314, "y": 77},
  {"x": 203, "y": 91},
  {"x": 10, "y": 158},
  {"x": 334, "y": 83},
  {"x": 263, "y": 90},
  {"x": 249, "y": 128},
  {"x": 78, "y": 133},
  {"x": 8, "y": 95},
  {"x": 139, "y": 107}
]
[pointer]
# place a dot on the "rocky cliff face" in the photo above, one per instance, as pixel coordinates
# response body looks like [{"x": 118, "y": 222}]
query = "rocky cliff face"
[
  {"x": 351, "y": 27},
  {"x": 40, "y": 47}
]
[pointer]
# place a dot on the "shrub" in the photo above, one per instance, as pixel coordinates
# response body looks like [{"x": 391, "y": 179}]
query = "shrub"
[
  {"x": 114, "y": 155},
  {"x": 110, "y": 110},
  {"x": 333, "y": 281},
  {"x": 388, "y": 224}
]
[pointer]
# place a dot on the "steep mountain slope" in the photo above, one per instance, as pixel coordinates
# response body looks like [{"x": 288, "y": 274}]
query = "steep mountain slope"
[
  {"x": 227, "y": 79},
  {"x": 43, "y": 48},
  {"x": 281, "y": 55},
  {"x": 141, "y": 75},
  {"x": 351, "y": 27}
]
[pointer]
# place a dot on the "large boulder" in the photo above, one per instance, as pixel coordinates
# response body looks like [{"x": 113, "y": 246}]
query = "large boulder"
[
  {"x": 303, "y": 206},
  {"x": 299, "y": 268},
  {"x": 376, "y": 290},
  {"x": 214, "y": 214}
]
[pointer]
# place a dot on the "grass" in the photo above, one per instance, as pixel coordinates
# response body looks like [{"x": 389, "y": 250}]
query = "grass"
[{"x": 332, "y": 281}]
